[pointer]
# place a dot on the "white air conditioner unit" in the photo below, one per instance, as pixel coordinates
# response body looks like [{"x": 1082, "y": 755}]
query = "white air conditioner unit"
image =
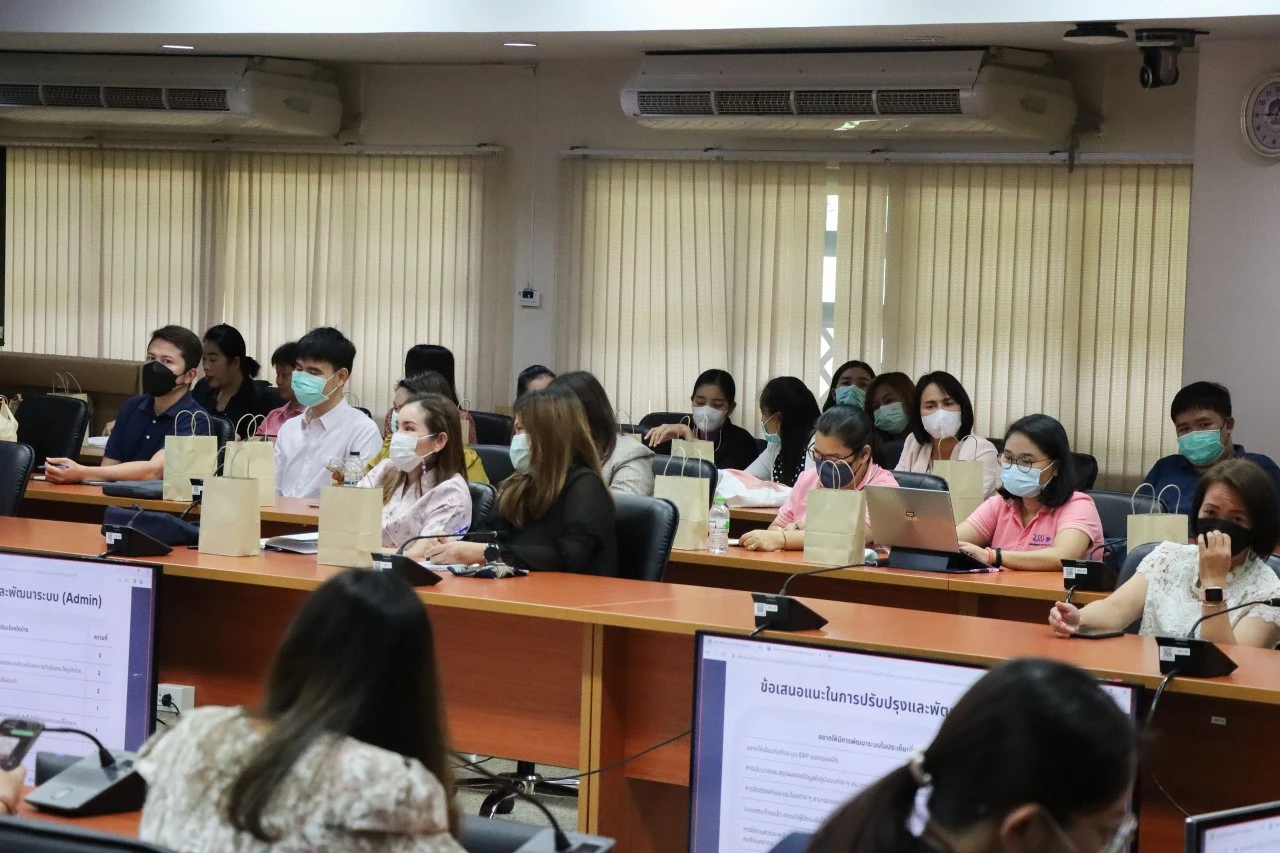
[
  {"x": 170, "y": 94},
  {"x": 866, "y": 95}
]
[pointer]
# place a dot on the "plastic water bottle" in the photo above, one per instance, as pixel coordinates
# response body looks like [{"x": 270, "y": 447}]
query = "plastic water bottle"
[
  {"x": 718, "y": 528},
  {"x": 352, "y": 470}
]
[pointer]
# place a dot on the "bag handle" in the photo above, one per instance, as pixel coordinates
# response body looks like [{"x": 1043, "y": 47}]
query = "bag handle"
[
  {"x": 208, "y": 424},
  {"x": 1160, "y": 497},
  {"x": 1133, "y": 507},
  {"x": 59, "y": 378},
  {"x": 348, "y": 396},
  {"x": 72, "y": 377},
  {"x": 227, "y": 467},
  {"x": 835, "y": 464},
  {"x": 685, "y": 454},
  {"x": 255, "y": 421}
]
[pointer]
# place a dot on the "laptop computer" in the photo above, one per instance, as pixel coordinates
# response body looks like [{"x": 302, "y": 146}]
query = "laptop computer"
[
  {"x": 918, "y": 527},
  {"x": 1248, "y": 828}
]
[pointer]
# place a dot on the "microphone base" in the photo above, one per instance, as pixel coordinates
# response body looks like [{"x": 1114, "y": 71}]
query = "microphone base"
[
  {"x": 545, "y": 842},
  {"x": 1088, "y": 576},
  {"x": 409, "y": 569},
  {"x": 784, "y": 613},
  {"x": 1193, "y": 658},
  {"x": 86, "y": 788},
  {"x": 921, "y": 560},
  {"x": 125, "y": 541}
]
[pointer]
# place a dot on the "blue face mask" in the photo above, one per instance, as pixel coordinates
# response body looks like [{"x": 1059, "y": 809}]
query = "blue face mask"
[
  {"x": 520, "y": 452},
  {"x": 309, "y": 390},
  {"x": 770, "y": 437},
  {"x": 851, "y": 395},
  {"x": 1019, "y": 483},
  {"x": 395, "y": 420},
  {"x": 891, "y": 418},
  {"x": 835, "y": 475}
]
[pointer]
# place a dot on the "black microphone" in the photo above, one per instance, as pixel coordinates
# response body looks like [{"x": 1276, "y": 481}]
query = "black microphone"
[
  {"x": 105, "y": 783},
  {"x": 790, "y": 578},
  {"x": 413, "y": 571},
  {"x": 104, "y": 754},
  {"x": 781, "y": 612},
  {"x": 1197, "y": 658},
  {"x": 457, "y": 534},
  {"x": 511, "y": 788},
  {"x": 1269, "y": 602}
]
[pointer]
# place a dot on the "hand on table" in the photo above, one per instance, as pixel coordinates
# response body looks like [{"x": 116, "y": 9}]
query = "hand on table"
[
  {"x": 64, "y": 471},
  {"x": 453, "y": 552},
  {"x": 763, "y": 540},
  {"x": 1064, "y": 619},
  {"x": 976, "y": 551},
  {"x": 666, "y": 432},
  {"x": 11, "y": 783}
]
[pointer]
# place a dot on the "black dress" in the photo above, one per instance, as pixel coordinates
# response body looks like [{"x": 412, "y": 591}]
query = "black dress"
[
  {"x": 735, "y": 447},
  {"x": 254, "y": 398},
  {"x": 576, "y": 535}
]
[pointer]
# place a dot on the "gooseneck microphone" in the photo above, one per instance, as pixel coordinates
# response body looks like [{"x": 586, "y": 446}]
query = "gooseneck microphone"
[
  {"x": 457, "y": 534},
  {"x": 1196, "y": 658},
  {"x": 413, "y": 571},
  {"x": 781, "y": 612},
  {"x": 790, "y": 578},
  {"x": 1267, "y": 602}
]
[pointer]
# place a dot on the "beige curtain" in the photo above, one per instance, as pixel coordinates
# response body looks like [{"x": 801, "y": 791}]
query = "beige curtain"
[
  {"x": 104, "y": 246},
  {"x": 670, "y": 268},
  {"x": 1048, "y": 291}
]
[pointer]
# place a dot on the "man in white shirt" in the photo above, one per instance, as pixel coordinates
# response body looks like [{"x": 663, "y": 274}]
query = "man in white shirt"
[{"x": 329, "y": 428}]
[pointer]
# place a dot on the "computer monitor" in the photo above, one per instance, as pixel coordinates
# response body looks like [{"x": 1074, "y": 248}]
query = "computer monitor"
[
  {"x": 1251, "y": 829},
  {"x": 77, "y": 649},
  {"x": 785, "y": 733}
]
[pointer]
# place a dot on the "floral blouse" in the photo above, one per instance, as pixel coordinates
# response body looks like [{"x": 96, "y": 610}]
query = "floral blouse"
[
  {"x": 427, "y": 507},
  {"x": 341, "y": 795}
]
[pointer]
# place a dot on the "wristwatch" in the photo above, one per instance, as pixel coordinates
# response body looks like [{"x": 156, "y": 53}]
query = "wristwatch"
[
  {"x": 492, "y": 553},
  {"x": 1212, "y": 595}
]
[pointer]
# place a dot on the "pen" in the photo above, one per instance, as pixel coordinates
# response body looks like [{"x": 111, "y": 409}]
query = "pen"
[{"x": 1070, "y": 592}]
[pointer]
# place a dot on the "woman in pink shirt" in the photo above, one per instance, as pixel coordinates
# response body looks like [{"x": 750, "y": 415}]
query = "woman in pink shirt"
[
  {"x": 1038, "y": 519},
  {"x": 842, "y": 457}
]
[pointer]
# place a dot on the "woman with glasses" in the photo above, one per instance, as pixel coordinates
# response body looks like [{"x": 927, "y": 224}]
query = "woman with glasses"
[
  {"x": 1035, "y": 758},
  {"x": 1038, "y": 519},
  {"x": 842, "y": 460},
  {"x": 941, "y": 428}
]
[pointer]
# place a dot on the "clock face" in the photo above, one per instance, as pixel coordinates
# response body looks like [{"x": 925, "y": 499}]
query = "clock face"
[{"x": 1261, "y": 118}]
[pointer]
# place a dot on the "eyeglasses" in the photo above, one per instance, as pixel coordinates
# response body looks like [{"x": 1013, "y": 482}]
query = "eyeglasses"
[
  {"x": 1118, "y": 843},
  {"x": 818, "y": 458},
  {"x": 1025, "y": 464}
]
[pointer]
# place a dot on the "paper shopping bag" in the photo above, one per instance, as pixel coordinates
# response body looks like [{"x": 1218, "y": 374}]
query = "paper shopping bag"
[
  {"x": 62, "y": 385},
  {"x": 194, "y": 454},
  {"x": 8, "y": 423},
  {"x": 1157, "y": 526},
  {"x": 964, "y": 482},
  {"x": 350, "y": 526},
  {"x": 230, "y": 522},
  {"x": 835, "y": 527},
  {"x": 694, "y": 448},
  {"x": 254, "y": 458},
  {"x": 692, "y": 497}
]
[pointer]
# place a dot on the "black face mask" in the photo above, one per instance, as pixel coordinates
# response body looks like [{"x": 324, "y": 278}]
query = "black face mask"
[
  {"x": 157, "y": 380},
  {"x": 1241, "y": 537}
]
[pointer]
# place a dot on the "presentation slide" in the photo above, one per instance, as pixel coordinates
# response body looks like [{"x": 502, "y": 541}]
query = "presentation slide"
[
  {"x": 75, "y": 650},
  {"x": 785, "y": 734},
  {"x": 1252, "y": 836}
]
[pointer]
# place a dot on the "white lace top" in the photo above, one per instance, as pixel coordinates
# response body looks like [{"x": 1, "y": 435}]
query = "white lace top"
[{"x": 1173, "y": 603}]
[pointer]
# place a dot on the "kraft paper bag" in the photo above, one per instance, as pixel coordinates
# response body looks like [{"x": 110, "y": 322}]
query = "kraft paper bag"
[
  {"x": 8, "y": 423},
  {"x": 190, "y": 455},
  {"x": 964, "y": 482},
  {"x": 1156, "y": 526},
  {"x": 62, "y": 383},
  {"x": 835, "y": 527},
  {"x": 350, "y": 526},
  {"x": 692, "y": 497},
  {"x": 694, "y": 448},
  {"x": 230, "y": 522},
  {"x": 255, "y": 459}
]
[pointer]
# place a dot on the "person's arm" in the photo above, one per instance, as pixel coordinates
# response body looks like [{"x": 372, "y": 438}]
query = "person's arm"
[
  {"x": 1068, "y": 544},
  {"x": 663, "y": 433},
  {"x": 739, "y": 448},
  {"x": 588, "y": 512},
  {"x": 1114, "y": 613},
  {"x": 762, "y": 467},
  {"x": 448, "y": 508},
  {"x": 65, "y": 471},
  {"x": 980, "y": 526},
  {"x": 633, "y": 477},
  {"x": 11, "y": 784}
]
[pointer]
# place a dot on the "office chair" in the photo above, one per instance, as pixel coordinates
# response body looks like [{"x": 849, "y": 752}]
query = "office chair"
[
  {"x": 654, "y": 419},
  {"x": 686, "y": 466},
  {"x": 1274, "y": 562},
  {"x": 631, "y": 429},
  {"x": 483, "y": 496},
  {"x": 496, "y": 459},
  {"x": 645, "y": 528},
  {"x": 1086, "y": 471},
  {"x": 16, "y": 462},
  {"x": 492, "y": 428},
  {"x": 53, "y": 426},
  {"x": 912, "y": 480},
  {"x": 1130, "y": 568},
  {"x": 29, "y": 835}
]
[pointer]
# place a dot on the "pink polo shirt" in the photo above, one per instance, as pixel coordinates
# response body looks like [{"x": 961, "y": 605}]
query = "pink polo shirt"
[
  {"x": 998, "y": 523},
  {"x": 793, "y": 508},
  {"x": 276, "y": 418}
]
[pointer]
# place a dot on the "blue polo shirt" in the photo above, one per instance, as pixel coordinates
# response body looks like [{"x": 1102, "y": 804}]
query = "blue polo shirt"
[
  {"x": 1175, "y": 470},
  {"x": 139, "y": 432}
]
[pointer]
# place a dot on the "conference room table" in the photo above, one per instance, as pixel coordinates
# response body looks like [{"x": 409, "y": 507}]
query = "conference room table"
[
  {"x": 744, "y": 518},
  {"x": 583, "y": 671}
]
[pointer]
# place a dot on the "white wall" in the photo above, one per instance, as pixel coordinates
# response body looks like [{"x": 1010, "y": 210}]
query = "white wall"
[
  {"x": 537, "y": 113},
  {"x": 1233, "y": 277}
]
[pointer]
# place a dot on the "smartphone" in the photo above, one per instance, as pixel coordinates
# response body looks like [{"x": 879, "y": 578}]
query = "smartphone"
[
  {"x": 16, "y": 738},
  {"x": 1100, "y": 635}
]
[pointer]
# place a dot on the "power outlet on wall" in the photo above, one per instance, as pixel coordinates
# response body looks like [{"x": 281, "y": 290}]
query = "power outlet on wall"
[{"x": 179, "y": 696}]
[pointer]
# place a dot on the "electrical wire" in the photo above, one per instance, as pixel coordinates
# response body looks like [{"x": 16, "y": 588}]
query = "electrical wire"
[
  {"x": 626, "y": 760},
  {"x": 471, "y": 764},
  {"x": 1151, "y": 715}
]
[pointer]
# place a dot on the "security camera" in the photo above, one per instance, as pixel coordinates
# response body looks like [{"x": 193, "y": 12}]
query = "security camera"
[{"x": 1160, "y": 49}]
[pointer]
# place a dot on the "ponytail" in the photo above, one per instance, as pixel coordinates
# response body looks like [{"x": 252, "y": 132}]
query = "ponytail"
[{"x": 873, "y": 822}]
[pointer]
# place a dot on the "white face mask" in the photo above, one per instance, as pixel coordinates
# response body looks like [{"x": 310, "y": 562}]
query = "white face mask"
[
  {"x": 707, "y": 418},
  {"x": 942, "y": 424},
  {"x": 403, "y": 452}
]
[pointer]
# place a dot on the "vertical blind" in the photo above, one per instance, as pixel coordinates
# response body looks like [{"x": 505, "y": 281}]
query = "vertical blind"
[
  {"x": 105, "y": 246},
  {"x": 1042, "y": 289}
]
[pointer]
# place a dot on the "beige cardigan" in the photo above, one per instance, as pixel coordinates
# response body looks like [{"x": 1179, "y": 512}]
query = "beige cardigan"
[
  {"x": 917, "y": 458},
  {"x": 629, "y": 469}
]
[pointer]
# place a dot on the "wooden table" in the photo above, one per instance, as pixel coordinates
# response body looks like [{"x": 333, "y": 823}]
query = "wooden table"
[
  {"x": 1019, "y": 596},
  {"x": 584, "y": 671},
  {"x": 86, "y": 504},
  {"x": 743, "y": 518}
]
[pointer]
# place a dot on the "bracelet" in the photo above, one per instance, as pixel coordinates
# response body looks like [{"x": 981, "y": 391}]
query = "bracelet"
[
  {"x": 784, "y": 540},
  {"x": 999, "y": 558}
]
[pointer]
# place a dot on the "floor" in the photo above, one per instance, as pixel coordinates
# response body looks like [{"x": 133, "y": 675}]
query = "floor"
[{"x": 565, "y": 809}]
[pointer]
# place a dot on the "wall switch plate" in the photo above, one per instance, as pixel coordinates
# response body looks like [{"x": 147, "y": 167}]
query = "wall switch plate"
[
  {"x": 530, "y": 298},
  {"x": 183, "y": 695}
]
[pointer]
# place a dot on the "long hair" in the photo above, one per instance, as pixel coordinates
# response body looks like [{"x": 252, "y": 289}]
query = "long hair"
[
  {"x": 797, "y": 409},
  {"x": 835, "y": 378},
  {"x": 558, "y": 440},
  {"x": 952, "y": 388},
  {"x": 1029, "y": 731},
  {"x": 601, "y": 419},
  {"x": 440, "y": 416},
  {"x": 423, "y": 357},
  {"x": 358, "y": 660}
]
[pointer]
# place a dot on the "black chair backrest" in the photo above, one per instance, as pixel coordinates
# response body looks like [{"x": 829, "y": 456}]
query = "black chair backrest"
[
  {"x": 482, "y": 497},
  {"x": 493, "y": 428},
  {"x": 16, "y": 461},
  {"x": 1114, "y": 508},
  {"x": 645, "y": 528},
  {"x": 654, "y": 419},
  {"x": 998, "y": 443},
  {"x": 912, "y": 480},
  {"x": 685, "y": 466},
  {"x": 1129, "y": 569},
  {"x": 496, "y": 459},
  {"x": 1086, "y": 471},
  {"x": 631, "y": 429},
  {"x": 29, "y": 835},
  {"x": 53, "y": 426},
  {"x": 1274, "y": 562}
]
